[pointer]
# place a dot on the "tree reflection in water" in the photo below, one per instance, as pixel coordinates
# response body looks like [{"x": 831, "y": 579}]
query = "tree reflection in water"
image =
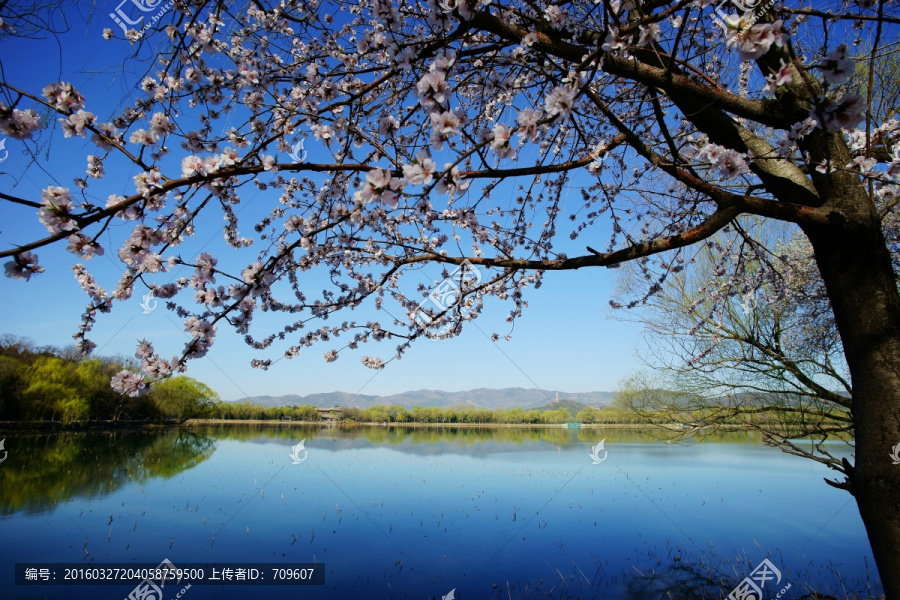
[{"x": 43, "y": 470}]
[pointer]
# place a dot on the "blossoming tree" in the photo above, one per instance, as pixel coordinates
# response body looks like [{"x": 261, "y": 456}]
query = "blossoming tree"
[
  {"x": 768, "y": 357},
  {"x": 671, "y": 117}
]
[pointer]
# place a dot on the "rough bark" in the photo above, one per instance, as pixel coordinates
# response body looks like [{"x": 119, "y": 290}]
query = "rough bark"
[{"x": 855, "y": 265}]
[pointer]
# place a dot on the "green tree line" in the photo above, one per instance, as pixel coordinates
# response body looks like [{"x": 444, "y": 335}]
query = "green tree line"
[
  {"x": 396, "y": 413},
  {"x": 633, "y": 405},
  {"x": 51, "y": 384}
]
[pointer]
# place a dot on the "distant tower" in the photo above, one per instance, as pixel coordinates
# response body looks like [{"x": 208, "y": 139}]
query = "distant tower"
[{"x": 557, "y": 396}]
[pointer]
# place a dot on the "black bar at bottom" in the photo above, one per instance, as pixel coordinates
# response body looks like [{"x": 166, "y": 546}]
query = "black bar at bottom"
[{"x": 168, "y": 574}]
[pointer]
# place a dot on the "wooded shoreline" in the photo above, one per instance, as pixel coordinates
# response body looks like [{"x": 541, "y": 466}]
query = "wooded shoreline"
[{"x": 144, "y": 424}]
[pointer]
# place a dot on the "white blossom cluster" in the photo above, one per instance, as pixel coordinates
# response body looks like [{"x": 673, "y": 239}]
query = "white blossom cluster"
[{"x": 507, "y": 133}]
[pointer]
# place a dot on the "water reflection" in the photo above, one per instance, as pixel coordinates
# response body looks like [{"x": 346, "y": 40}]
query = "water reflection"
[
  {"x": 462, "y": 436},
  {"x": 46, "y": 469},
  {"x": 417, "y": 511}
]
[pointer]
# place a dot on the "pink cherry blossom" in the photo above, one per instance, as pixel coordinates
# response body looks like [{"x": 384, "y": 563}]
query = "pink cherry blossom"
[
  {"x": 23, "y": 266},
  {"x": 373, "y": 362},
  {"x": 128, "y": 383},
  {"x": 778, "y": 80},
  {"x": 19, "y": 124},
  {"x": 144, "y": 137},
  {"x": 269, "y": 163},
  {"x": 420, "y": 172},
  {"x": 836, "y": 67},
  {"x": 752, "y": 41},
  {"x": 560, "y": 101},
  {"x": 433, "y": 87},
  {"x": 649, "y": 34},
  {"x": 75, "y": 124},
  {"x": 83, "y": 246},
  {"x": 144, "y": 350},
  {"x": 56, "y": 209},
  {"x": 450, "y": 183},
  {"x": 63, "y": 97},
  {"x": 556, "y": 15},
  {"x": 615, "y": 42},
  {"x": 191, "y": 165},
  {"x": 528, "y": 119},
  {"x": 845, "y": 113},
  {"x": 500, "y": 143},
  {"x": 229, "y": 157}
]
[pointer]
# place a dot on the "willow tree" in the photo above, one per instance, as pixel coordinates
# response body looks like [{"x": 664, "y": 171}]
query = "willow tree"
[
  {"x": 750, "y": 342},
  {"x": 452, "y": 132},
  {"x": 183, "y": 398}
]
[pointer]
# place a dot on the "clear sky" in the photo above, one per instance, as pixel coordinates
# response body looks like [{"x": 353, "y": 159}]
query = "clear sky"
[{"x": 566, "y": 339}]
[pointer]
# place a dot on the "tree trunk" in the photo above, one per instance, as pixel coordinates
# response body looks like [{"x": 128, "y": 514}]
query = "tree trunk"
[{"x": 855, "y": 265}]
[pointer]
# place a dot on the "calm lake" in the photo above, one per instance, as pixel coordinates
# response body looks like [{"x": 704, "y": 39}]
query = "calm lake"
[{"x": 420, "y": 513}]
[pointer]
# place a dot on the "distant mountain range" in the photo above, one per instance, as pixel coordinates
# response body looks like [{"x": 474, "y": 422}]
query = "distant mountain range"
[{"x": 480, "y": 398}]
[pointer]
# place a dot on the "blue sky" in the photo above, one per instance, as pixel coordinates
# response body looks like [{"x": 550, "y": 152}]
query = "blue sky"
[{"x": 566, "y": 339}]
